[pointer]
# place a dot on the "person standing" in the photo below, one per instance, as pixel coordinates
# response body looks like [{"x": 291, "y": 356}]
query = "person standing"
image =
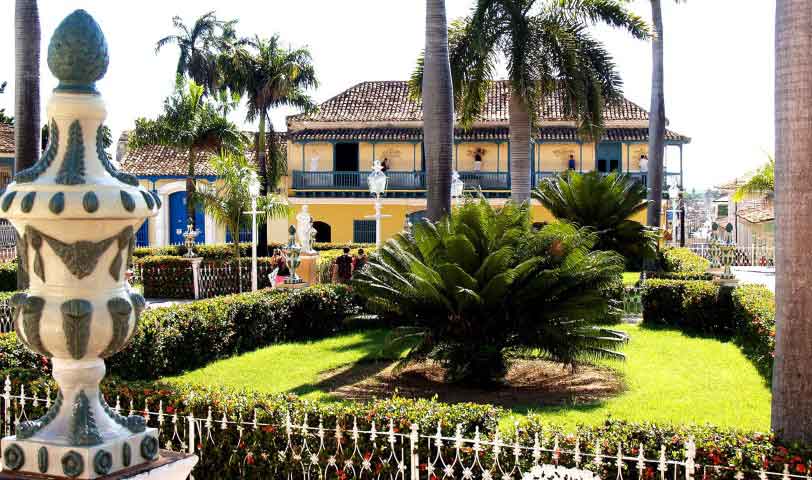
[
  {"x": 360, "y": 260},
  {"x": 343, "y": 267}
]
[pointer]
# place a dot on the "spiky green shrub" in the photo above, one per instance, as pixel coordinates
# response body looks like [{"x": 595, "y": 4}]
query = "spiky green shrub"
[
  {"x": 482, "y": 282},
  {"x": 605, "y": 204}
]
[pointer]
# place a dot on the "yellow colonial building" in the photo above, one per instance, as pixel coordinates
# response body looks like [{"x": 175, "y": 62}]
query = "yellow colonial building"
[{"x": 330, "y": 154}]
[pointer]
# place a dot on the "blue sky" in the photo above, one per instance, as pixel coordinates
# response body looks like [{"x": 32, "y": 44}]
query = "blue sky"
[{"x": 719, "y": 61}]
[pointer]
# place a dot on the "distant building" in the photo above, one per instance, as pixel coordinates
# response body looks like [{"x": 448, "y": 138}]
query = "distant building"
[
  {"x": 753, "y": 218},
  {"x": 6, "y": 155}
]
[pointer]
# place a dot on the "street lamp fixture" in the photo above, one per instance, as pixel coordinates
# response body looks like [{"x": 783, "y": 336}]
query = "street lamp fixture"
[
  {"x": 457, "y": 186},
  {"x": 254, "y": 191},
  {"x": 377, "y": 187}
]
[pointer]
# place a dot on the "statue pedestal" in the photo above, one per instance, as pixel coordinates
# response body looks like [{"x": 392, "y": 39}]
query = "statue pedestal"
[
  {"x": 308, "y": 269},
  {"x": 292, "y": 286},
  {"x": 726, "y": 282},
  {"x": 168, "y": 466}
]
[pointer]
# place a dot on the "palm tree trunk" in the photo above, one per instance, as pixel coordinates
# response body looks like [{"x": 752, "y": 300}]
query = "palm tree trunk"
[
  {"x": 190, "y": 186},
  {"x": 438, "y": 111},
  {"x": 26, "y": 84},
  {"x": 519, "y": 149},
  {"x": 26, "y": 94},
  {"x": 656, "y": 125},
  {"x": 261, "y": 153},
  {"x": 792, "y": 372}
]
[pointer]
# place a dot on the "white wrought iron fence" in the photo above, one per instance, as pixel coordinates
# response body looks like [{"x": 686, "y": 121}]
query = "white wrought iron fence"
[
  {"x": 745, "y": 256},
  {"x": 310, "y": 449}
]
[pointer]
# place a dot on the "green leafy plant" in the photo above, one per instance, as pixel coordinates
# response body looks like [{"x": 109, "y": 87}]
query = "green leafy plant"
[
  {"x": 191, "y": 123},
  {"x": 762, "y": 181},
  {"x": 683, "y": 260},
  {"x": 604, "y": 204},
  {"x": 481, "y": 282},
  {"x": 230, "y": 197}
]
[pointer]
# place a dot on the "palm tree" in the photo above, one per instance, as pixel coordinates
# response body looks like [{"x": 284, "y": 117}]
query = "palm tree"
[
  {"x": 270, "y": 76},
  {"x": 199, "y": 47},
  {"x": 192, "y": 123},
  {"x": 657, "y": 120},
  {"x": 605, "y": 205},
  {"x": 762, "y": 181},
  {"x": 438, "y": 111},
  {"x": 792, "y": 372},
  {"x": 481, "y": 282},
  {"x": 26, "y": 84},
  {"x": 228, "y": 199},
  {"x": 548, "y": 50}
]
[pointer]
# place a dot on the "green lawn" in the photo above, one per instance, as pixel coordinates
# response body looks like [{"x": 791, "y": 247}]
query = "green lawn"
[{"x": 670, "y": 377}]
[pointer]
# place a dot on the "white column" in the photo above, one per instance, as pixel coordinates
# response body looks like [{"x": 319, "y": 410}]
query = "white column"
[
  {"x": 210, "y": 227},
  {"x": 253, "y": 244}
]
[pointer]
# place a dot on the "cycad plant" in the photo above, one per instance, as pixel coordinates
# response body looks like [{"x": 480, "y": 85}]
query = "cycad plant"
[
  {"x": 605, "y": 204},
  {"x": 229, "y": 197},
  {"x": 481, "y": 284}
]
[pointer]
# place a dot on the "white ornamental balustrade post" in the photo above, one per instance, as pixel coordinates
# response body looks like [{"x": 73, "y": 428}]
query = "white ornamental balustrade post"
[{"x": 75, "y": 218}]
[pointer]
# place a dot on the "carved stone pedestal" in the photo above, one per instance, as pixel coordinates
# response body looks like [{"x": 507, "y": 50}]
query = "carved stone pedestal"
[
  {"x": 308, "y": 269},
  {"x": 167, "y": 466},
  {"x": 292, "y": 286}
]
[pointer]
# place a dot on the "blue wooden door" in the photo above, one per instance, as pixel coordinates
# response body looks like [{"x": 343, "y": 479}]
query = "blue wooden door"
[
  {"x": 177, "y": 219},
  {"x": 142, "y": 236},
  {"x": 609, "y": 157}
]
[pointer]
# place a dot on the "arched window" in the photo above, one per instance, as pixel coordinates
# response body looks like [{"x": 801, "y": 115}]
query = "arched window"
[{"x": 323, "y": 232}]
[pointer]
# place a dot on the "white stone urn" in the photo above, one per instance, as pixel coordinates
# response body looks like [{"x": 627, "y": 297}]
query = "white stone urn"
[{"x": 76, "y": 217}]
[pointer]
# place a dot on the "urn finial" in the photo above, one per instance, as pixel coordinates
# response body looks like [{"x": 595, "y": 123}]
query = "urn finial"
[{"x": 77, "y": 54}]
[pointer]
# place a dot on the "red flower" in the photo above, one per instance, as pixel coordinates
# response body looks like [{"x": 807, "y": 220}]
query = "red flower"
[
  {"x": 170, "y": 409},
  {"x": 268, "y": 429},
  {"x": 249, "y": 459},
  {"x": 800, "y": 468}
]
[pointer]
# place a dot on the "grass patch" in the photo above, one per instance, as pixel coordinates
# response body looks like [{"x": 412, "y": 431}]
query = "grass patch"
[
  {"x": 670, "y": 377},
  {"x": 293, "y": 367},
  {"x": 630, "y": 278}
]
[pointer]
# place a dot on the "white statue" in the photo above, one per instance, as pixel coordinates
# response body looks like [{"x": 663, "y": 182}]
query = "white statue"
[{"x": 304, "y": 226}]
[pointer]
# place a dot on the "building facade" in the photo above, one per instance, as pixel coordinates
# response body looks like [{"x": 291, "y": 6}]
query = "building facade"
[{"x": 331, "y": 152}]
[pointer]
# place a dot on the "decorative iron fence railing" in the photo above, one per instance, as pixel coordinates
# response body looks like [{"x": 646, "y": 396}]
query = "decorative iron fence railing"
[
  {"x": 311, "y": 449},
  {"x": 6, "y": 316},
  {"x": 220, "y": 278},
  {"x": 8, "y": 236},
  {"x": 749, "y": 256},
  {"x": 632, "y": 301}
]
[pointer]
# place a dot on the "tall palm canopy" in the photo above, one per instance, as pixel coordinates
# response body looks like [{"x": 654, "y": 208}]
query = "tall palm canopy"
[
  {"x": 199, "y": 47},
  {"x": 605, "y": 205},
  {"x": 190, "y": 122},
  {"x": 482, "y": 283},
  {"x": 762, "y": 181},
  {"x": 5, "y": 119},
  {"x": 547, "y": 45},
  {"x": 229, "y": 199},
  {"x": 270, "y": 76}
]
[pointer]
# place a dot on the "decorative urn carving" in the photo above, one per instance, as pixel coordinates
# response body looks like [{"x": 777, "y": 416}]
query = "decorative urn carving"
[{"x": 76, "y": 217}]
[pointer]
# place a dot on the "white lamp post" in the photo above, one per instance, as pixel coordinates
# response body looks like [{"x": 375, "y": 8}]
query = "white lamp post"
[
  {"x": 457, "y": 187},
  {"x": 253, "y": 190},
  {"x": 377, "y": 187}
]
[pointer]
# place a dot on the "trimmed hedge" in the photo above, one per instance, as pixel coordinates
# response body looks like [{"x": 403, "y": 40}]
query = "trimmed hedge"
[
  {"x": 683, "y": 260},
  {"x": 754, "y": 312},
  {"x": 680, "y": 275},
  {"x": 698, "y": 306},
  {"x": 171, "y": 340},
  {"x": 8, "y": 276}
]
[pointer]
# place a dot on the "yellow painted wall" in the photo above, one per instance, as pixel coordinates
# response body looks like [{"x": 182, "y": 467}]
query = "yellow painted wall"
[
  {"x": 318, "y": 155},
  {"x": 340, "y": 217},
  {"x": 553, "y": 157},
  {"x": 402, "y": 157},
  {"x": 491, "y": 160}
]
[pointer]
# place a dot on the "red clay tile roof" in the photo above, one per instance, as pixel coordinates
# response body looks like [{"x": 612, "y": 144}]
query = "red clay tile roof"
[
  {"x": 159, "y": 160},
  {"x": 389, "y": 101},
  {"x": 547, "y": 134},
  {"x": 757, "y": 214},
  {"x": 6, "y": 139}
]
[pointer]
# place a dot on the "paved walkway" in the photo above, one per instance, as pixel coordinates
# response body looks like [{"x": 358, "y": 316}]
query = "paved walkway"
[
  {"x": 762, "y": 275},
  {"x": 164, "y": 302}
]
